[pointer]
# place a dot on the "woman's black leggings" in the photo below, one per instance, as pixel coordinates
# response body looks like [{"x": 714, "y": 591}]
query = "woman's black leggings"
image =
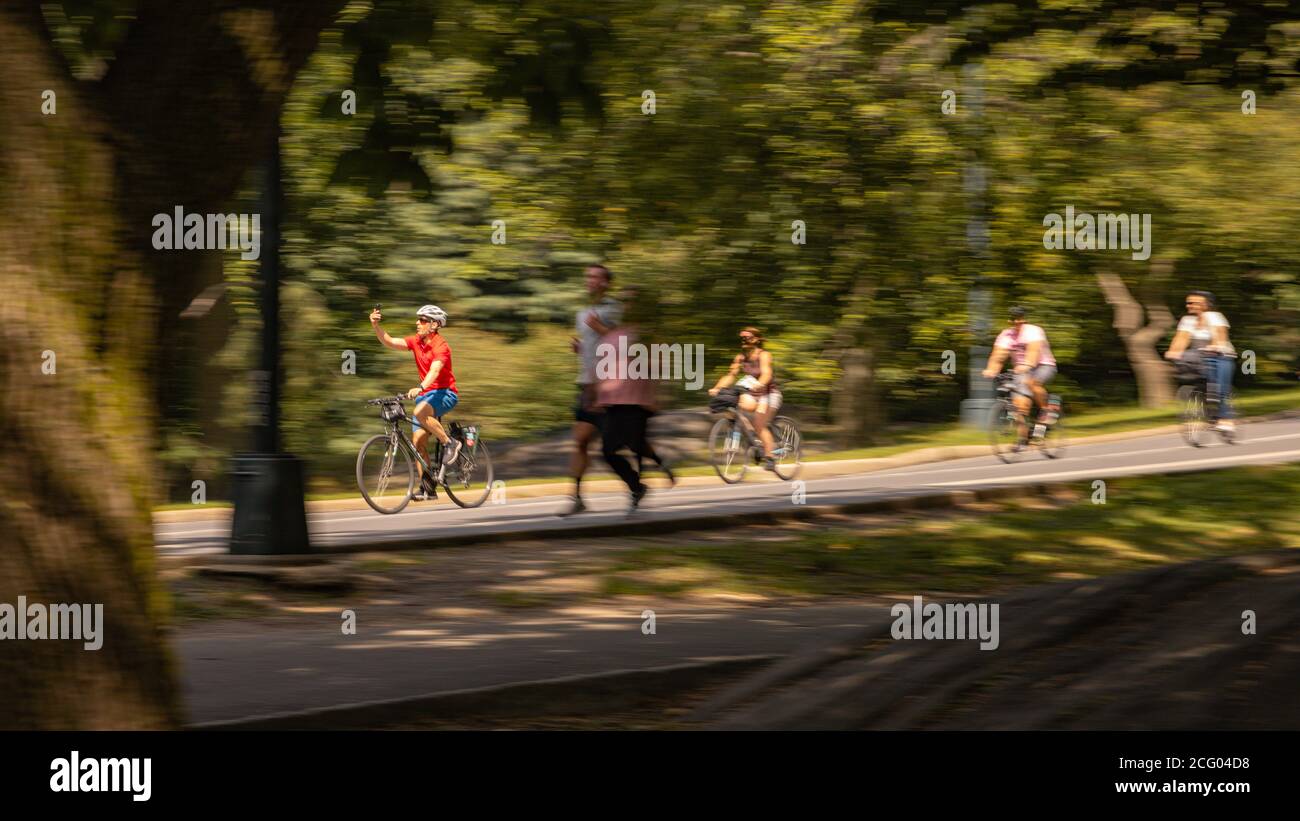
[{"x": 625, "y": 427}]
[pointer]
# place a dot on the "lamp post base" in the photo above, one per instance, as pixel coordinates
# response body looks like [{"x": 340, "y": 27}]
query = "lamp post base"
[
  {"x": 270, "y": 512},
  {"x": 975, "y": 412}
]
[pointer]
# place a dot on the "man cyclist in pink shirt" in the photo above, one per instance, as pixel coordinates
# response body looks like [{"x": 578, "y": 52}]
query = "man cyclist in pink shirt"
[{"x": 1034, "y": 364}]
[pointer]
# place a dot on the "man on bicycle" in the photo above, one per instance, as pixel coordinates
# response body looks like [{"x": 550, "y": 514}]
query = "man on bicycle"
[
  {"x": 436, "y": 394},
  {"x": 1034, "y": 365}
]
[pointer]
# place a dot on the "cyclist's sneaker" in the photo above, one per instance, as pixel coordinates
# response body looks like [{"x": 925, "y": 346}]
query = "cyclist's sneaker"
[
  {"x": 577, "y": 507},
  {"x": 1040, "y": 430},
  {"x": 450, "y": 452},
  {"x": 637, "y": 496},
  {"x": 769, "y": 464},
  {"x": 421, "y": 496},
  {"x": 1225, "y": 426}
]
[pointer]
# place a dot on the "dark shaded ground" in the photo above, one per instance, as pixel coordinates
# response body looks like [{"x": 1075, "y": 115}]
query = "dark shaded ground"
[
  {"x": 1156, "y": 649},
  {"x": 641, "y": 709}
]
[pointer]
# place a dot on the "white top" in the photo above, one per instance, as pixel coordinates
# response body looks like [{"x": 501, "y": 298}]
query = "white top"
[
  {"x": 1016, "y": 342},
  {"x": 1201, "y": 330},
  {"x": 610, "y": 313}
]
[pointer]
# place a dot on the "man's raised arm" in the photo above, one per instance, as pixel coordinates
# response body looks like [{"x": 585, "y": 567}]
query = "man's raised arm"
[{"x": 382, "y": 335}]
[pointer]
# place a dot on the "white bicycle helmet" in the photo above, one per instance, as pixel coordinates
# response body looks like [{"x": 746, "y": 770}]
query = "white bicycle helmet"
[{"x": 433, "y": 312}]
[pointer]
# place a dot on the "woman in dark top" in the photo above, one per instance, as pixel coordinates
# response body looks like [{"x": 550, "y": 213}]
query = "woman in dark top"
[{"x": 752, "y": 371}]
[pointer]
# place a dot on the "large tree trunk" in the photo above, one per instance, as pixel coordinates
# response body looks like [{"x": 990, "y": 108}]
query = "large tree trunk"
[
  {"x": 1154, "y": 378},
  {"x": 75, "y": 478},
  {"x": 184, "y": 112},
  {"x": 855, "y": 406},
  {"x": 856, "y": 411}
]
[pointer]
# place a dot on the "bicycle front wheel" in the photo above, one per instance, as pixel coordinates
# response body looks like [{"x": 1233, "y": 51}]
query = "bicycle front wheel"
[
  {"x": 1191, "y": 415},
  {"x": 385, "y": 473},
  {"x": 1004, "y": 431},
  {"x": 728, "y": 450},
  {"x": 469, "y": 481},
  {"x": 788, "y": 447}
]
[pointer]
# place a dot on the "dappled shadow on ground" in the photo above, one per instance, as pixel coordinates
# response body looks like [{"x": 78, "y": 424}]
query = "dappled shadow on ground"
[{"x": 980, "y": 549}]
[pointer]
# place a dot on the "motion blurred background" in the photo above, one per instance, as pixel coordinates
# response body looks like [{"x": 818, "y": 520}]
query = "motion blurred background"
[
  {"x": 764, "y": 113},
  {"x": 537, "y": 114}
]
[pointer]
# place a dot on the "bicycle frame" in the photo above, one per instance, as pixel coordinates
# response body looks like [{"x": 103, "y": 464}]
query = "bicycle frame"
[
  {"x": 747, "y": 424},
  {"x": 755, "y": 441},
  {"x": 1004, "y": 388},
  {"x": 405, "y": 441}
]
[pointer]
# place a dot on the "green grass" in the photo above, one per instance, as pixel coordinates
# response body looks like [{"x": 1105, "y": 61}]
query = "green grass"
[
  {"x": 228, "y": 604},
  {"x": 1145, "y": 522}
]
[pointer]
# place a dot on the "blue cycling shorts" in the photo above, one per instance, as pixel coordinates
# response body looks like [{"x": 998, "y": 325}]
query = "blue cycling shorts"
[{"x": 442, "y": 400}]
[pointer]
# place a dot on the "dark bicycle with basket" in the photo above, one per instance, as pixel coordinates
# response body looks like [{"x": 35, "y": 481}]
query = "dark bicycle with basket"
[
  {"x": 1198, "y": 398},
  {"x": 734, "y": 444}
]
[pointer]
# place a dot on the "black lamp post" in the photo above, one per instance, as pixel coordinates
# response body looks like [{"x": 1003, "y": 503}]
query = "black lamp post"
[{"x": 267, "y": 485}]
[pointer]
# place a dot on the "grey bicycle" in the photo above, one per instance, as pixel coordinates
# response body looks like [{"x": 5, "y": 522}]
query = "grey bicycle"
[{"x": 1012, "y": 436}]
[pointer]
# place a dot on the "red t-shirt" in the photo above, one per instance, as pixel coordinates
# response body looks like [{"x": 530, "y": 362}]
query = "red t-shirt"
[{"x": 426, "y": 353}]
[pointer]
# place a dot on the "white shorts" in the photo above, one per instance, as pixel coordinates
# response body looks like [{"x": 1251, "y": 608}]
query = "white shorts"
[{"x": 769, "y": 402}]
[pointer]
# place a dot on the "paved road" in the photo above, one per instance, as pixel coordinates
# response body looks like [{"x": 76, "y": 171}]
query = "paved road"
[
  {"x": 260, "y": 670},
  {"x": 1267, "y": 442}
]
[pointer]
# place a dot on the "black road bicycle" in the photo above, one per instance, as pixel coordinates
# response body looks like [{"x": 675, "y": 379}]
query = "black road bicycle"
[
  {"x": 734, "y": 446},
  {"x": 386, "y": 464},
  {"x": 1013, "y": 436}
]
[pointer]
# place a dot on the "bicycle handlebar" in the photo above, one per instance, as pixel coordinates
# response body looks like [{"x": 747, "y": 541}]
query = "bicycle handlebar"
[{"x": 385, "y": 400}]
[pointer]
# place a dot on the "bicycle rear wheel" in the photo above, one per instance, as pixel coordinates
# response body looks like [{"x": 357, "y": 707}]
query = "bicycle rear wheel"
[
  {"x": 1004, "y": 432},
  {"x": 788, "y": 444},
  {"x": 1191, "y": 415},
  {"x": 385, "y": 473},
  {"x": 469, "y": 481},
  {"x": 728, "y": 450}
]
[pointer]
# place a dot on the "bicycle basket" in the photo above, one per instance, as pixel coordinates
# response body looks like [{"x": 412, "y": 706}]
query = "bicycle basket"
[
  {"x": 1188, "y": 373},
  {"x": 726, "y": 399},
  {"x": 392, "y": 411}
]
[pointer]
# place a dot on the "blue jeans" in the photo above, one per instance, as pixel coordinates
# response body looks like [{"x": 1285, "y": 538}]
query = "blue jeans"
[{"x": 1218, "y": 378}]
